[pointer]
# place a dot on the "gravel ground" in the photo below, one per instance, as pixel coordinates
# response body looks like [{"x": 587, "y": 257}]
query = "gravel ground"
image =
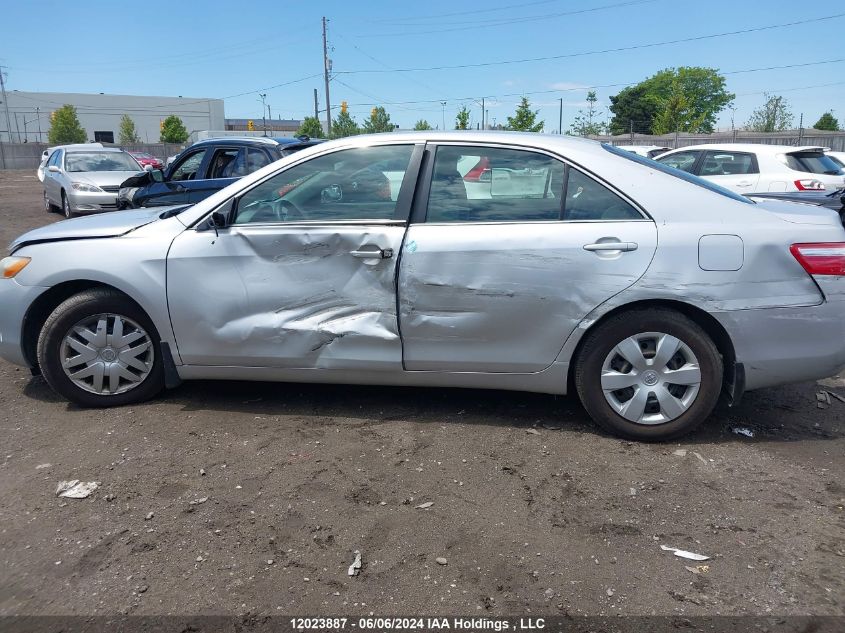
[{"x": 250, "y": 498}]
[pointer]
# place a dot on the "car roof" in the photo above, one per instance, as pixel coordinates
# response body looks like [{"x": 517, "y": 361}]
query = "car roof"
[
  {"x": 260, "y": 140},
  {"x": 94, "y": 150},
  {"x": 757, "y": 148}
]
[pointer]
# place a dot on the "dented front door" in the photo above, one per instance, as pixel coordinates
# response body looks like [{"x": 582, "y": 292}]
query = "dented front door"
[{"x": 304, "y": 276}]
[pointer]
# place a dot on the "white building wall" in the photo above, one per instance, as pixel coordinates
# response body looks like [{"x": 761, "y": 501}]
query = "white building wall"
[{"x": 102, "y": 113}]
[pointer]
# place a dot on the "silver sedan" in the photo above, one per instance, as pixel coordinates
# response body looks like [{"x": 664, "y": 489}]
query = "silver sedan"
[
  {"x": 485, "y": 260},
  {"x": 81, "y": 180}
]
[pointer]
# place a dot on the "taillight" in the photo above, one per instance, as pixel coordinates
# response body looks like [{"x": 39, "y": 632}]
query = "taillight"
[
  {"x": 809, "y": 184},
  {"x": 821, "y": 258},
  {"x": 479, "y": 173}
]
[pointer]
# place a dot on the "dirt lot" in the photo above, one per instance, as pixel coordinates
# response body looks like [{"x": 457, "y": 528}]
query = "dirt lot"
[{"x": 296, "y": 478}]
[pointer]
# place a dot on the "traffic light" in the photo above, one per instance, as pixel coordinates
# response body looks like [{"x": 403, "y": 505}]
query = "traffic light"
[
  {"x": 250, "y": 125},
  {"x": 344, "y": 107},
  {"x": 373, "y": 113},
  {"x": 53, "y": 116},
  {"x": 160, "y": 125}
]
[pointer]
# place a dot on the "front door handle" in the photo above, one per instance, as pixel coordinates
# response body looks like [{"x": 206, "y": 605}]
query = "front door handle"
[
  {"x": 378, "y": 253},
  {"x": 625, "y": 247}
]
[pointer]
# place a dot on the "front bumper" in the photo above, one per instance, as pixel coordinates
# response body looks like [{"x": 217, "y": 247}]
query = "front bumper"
[
  {"x": 90, "y": 202},
  {"x": 15, "y": 301}
]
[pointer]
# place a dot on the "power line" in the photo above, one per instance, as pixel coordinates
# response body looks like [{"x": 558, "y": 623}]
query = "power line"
[
  {"x": 472, "y": 12},
  {"x": 595, "y": 86},
  {"x": 595, "y": 52},
  {"x": 480, "y": 24}
]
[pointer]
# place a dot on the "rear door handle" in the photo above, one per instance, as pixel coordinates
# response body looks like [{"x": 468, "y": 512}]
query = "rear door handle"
[
  {"x": 625, "y": 247},
  {"x": 379, "y": 253}
]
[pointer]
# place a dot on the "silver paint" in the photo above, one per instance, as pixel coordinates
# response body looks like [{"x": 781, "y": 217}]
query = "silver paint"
[{"x": 488, "y": 306}]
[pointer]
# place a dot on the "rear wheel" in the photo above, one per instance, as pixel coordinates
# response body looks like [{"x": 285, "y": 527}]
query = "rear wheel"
[
  {"x": 651, "y": 374},
  {"x": 99, "y": 349}
]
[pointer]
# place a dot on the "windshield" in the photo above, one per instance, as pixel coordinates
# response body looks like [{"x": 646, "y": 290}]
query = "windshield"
[
  {"x": 677, "y": 173},
  {"x": 813, "y": 163},
  {"x": 100, "y": 161}
]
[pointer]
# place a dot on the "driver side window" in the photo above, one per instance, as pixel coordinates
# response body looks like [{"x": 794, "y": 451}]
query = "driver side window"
[
  {"x": 352, "y": 184},
  {"x": 187, "y": 169}
]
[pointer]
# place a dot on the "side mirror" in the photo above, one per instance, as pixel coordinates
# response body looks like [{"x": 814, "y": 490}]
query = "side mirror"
[
  {"x": 157, "y": 175},
  {"x": 218, "y": 220},
  {"x": 148, "y": 167},
  {"x": 54, "y": 169}
]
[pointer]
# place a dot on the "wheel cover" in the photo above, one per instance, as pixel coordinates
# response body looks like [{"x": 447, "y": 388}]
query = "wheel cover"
[
  {"x": 107, "y": 354},
  {"x": 651, "y": 378},
  {"x": 66, "y": 205}
]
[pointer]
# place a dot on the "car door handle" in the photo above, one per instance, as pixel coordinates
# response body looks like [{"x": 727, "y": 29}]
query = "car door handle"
[
  {"x": 625, "y": 247},
  {"x": 379, "y": 253},
  {"x": 743, "y": 183}
]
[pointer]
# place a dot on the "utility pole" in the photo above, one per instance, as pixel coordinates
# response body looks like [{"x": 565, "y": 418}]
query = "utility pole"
[
  {"x": 443, "y": 108},
  {"x": 327, "y": 67},
  {"x": 5, "y": 104},
  {"x": 269, "y": 115},
  {"x": 631, "y": 123},
  {"x": 18, "y": 127},
  {"x": 483, "y": 122},
  {"x": 263, "y": 96},
  {"x": 316, "y": 106},
  {"x": 560, "y": 117},
  {"x": 38, "y": 114},
  {"x": 801, "y": 129}
]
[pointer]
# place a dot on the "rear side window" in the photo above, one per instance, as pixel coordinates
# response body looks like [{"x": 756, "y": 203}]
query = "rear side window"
[
  {"x": 587, "y": 199},
  {"x": 728, "y": 164},
  {"x": 223, "y": 162},
  {"x": 487, "y": 184},
  {"x": 685, "y": 161},
  {"x": 677, "y": 173},
  {"x": 812, "y": 163}
]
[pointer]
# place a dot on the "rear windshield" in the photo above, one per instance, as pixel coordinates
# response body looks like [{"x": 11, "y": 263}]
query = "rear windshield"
[
  {"x": 813, "y": 163},
  {"x": 677, "y": 173}
]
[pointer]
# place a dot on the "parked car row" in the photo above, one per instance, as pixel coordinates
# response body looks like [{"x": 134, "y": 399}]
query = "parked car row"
[
  {"x": 469, "y": 259},
  {"x": 205, "y": 167},
  {"x": 90, "y": 178}
]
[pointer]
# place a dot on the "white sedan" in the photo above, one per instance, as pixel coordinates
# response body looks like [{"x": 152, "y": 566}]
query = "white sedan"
[{"x": 750, "y": 168}]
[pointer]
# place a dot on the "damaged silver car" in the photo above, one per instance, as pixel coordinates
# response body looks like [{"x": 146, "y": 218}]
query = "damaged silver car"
[{"x": 485, "y": 260}]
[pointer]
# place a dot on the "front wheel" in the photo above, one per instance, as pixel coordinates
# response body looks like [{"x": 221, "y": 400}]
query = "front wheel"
[
  {"x": 66, "y": 206},
  {"x": 99, "y": 349},
  {"x": 650, "y": 374}
]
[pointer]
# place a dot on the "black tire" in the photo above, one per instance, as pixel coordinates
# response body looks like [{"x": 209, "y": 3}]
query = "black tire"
[
  {"x": 603, "y": 338},
  {"x": 72, "y": 311},
  {"x": 66, "y": 207}
]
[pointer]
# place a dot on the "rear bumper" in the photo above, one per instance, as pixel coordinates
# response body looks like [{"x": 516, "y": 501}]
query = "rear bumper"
[
  {"x": 778, "y": 346},
  {"x": 15, "y": 300}
]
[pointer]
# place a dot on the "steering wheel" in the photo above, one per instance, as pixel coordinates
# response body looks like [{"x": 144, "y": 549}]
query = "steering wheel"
[{"x": 287, "y": 211}]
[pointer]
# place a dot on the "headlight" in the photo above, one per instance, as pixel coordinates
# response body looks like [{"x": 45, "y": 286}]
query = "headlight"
[
  {"x": 81, "y": 186},
  {"x": 11, "y": 266}
]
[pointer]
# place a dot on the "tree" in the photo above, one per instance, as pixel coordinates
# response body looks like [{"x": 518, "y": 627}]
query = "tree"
[
  {"x": 311, "y": 127},
  {"x": 827, "y": 122},
  {"x": 524, "y": 118},
  {"x": 65, "y": 127},
  {"x": 173, "y": 130},
  {"x": 462, "y": 119},
  {"x": 422, "y": 124},
  {"x": 379, "y": 121},
  {"x": 675, "y": 112},
  {"x": 632, "y": 110},
  {"x": 586, "y": 121},
  {"x": 773, "y": 116},
  {"x": 688, "y": 98},
  {"x": 127, "y": 134},
  {"x": 344, "y": 125}
]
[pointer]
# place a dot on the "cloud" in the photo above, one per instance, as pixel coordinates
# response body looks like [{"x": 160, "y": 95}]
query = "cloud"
[{"x": 568, "y": 85}]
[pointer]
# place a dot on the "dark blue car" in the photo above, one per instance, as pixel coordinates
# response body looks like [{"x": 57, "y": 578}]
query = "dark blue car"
[{"x": 204, "y": 168}]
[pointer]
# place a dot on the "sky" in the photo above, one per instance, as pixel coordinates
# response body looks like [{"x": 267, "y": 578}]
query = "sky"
[{"x": 412, "y": 56}]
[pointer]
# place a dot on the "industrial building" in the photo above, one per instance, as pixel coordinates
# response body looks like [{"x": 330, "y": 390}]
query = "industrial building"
[{"x": 100, "y": 114}]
